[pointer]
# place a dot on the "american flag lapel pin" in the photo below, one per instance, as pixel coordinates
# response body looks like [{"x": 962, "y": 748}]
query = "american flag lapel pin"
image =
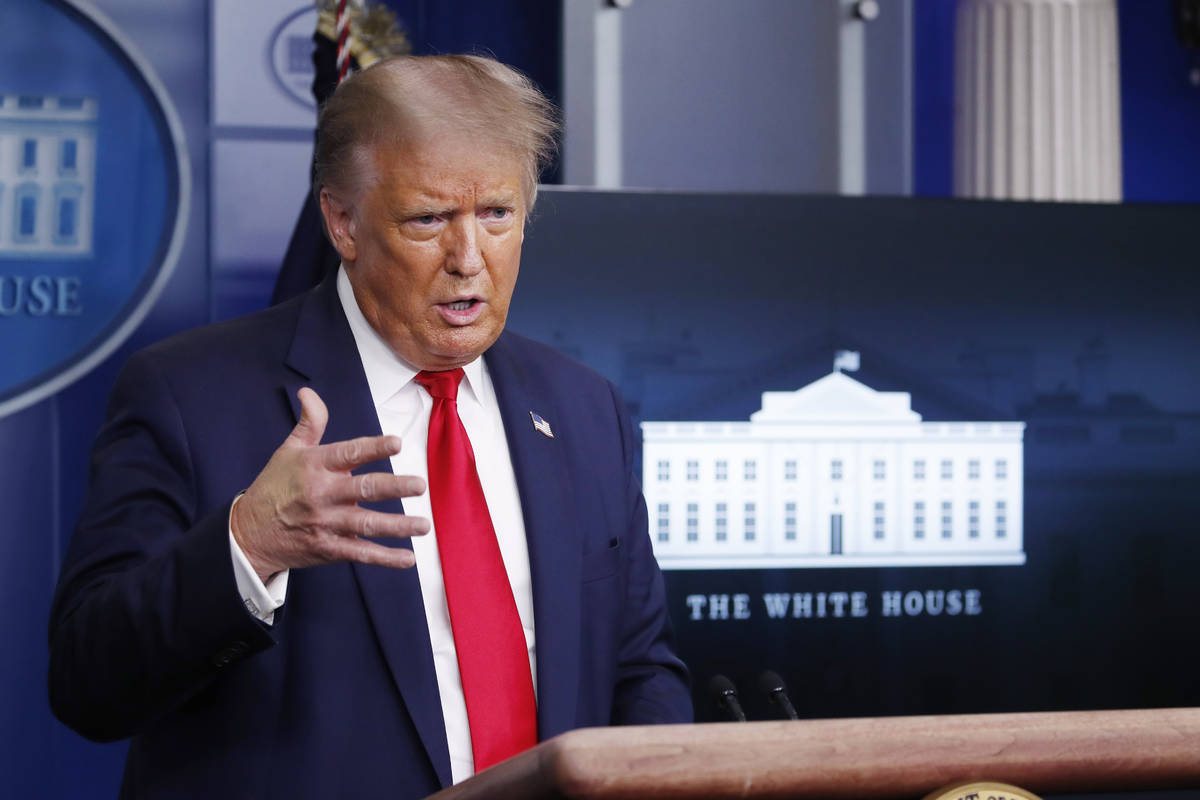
[{"x": 541, "y": 426}]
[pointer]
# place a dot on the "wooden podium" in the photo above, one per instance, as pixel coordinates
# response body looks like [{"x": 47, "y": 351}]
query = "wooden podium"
[{"x": 890, "y": 757}]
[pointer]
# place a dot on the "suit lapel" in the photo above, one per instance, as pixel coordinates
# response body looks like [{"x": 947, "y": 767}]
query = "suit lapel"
[
  {"x": 325, "y": 358},
  {"x": 555, "y": 549}
]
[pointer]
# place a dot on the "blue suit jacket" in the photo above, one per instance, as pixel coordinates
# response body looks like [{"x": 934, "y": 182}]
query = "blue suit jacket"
[{"x": 149, "y": 637}]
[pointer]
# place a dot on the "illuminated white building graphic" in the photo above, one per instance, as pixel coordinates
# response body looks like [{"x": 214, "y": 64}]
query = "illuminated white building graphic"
[
  {"x": 47, "y": 170},
  {"x": 834, "y": 474}
]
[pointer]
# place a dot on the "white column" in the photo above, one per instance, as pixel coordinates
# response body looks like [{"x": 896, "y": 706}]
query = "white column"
[
  {"x": 592, "y": 94},
  {"x": 852, "y": 101},
  {"x": 1037, "y": 100}
]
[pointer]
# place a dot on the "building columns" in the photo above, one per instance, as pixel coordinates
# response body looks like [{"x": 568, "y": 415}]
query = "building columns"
[{"x": 1037, "y": 100}]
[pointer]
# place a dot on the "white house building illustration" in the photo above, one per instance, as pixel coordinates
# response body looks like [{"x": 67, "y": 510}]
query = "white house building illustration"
[
  {"x": 834, "y": 474},
  {"x": 47, "y": 171}
]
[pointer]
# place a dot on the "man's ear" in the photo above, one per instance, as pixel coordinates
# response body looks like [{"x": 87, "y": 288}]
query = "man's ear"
[{"x": 339, "y": 224}]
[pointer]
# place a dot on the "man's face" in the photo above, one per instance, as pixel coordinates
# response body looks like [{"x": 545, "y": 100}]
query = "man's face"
[{"x": 432, "y": 248}]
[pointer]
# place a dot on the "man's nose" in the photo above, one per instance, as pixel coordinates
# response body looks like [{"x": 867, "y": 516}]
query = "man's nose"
[{"x": 463, "y": 255}]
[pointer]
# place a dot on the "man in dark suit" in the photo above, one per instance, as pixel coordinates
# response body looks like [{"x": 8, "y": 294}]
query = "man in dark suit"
[{"x": 261, "y": 630}]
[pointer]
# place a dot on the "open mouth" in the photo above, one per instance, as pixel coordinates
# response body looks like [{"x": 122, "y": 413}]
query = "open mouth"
[{"x": 461, "y": 312}]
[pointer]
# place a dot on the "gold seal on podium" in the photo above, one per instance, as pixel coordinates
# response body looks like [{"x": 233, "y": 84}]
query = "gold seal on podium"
[{"x": 981, "y": 790}]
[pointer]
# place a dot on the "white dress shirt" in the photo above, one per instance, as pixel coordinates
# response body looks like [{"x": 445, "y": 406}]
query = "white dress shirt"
[{"x": 403, "y": 407}]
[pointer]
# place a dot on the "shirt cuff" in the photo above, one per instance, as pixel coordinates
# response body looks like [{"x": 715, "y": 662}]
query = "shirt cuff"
[{"x": 261, "y": 599}]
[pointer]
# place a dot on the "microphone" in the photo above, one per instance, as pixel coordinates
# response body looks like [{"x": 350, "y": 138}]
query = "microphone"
[
  {"x": 725, "y": 693},
  {"x": 776, "y": 691}
]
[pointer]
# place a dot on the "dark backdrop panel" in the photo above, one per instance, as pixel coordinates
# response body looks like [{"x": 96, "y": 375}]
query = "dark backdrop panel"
[{"x": 1081, "y": 321}]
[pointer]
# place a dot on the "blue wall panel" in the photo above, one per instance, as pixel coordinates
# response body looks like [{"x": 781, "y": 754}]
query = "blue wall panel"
[{"x": 46, "y": 446}]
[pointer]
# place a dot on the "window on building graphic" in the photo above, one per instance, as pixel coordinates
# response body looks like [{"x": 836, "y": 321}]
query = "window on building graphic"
[
  {"x": 693, "y": 521},
  {"x": 693, "y": 470},
  {"x": 919, "y": 470},
  {"x": 879, "y": 469},
  {"x": 67, "y": 208},
  {"x": 722, "y": 522},
  {"x": 66, "y": 212},
  {"x": 73, "y": 103},
  {"x": 664, "y": 471},
  {"x": 947, "y": 469},
  {"x": 29, "y": 154},
  {"x": 31, "y": 101},
  {"x": 750, "y": 530},
  {"x": 973, "y": 519},
  {"x": 835, "y": 469},
  {"x": 25, "y": 207},
  {"x": 68, "y": 161},
  {"x": 299, "y": 55},
  {"x": 750, "y": 469},
  {"x": 880, "y": 518},
  {"x": 1001, "y": 469},
  {"x": 789, "y": 521},
  {"x": 973, "y": 469},
  {"x": 947, "y": 519},
  {"x": 919, "y": 519},
  {"x": 721, "y": 470},
  {"x": 664, "y": 522},
  {"x": 1001, "y": 519},
  {"x": 27, "y": 222},
  {"x": 789, "y": 469}
]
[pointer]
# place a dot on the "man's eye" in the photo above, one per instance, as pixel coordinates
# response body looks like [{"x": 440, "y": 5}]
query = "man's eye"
[
  {"x": 498, "y": 212},
  {"x": 427, "y": 219}
]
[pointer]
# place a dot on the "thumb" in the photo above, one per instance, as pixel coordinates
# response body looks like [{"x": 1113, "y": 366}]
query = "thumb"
[{"x": 313, "y": 418}]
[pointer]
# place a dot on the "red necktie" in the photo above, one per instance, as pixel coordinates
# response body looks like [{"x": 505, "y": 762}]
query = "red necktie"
[{"x": 492, "y": 657}]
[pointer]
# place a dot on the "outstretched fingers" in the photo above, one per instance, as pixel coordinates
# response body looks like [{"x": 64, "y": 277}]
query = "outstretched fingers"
[
  {"x": 353, "y": 453},
  {"x": 303, "y": 508},
  {"x": 371, "y": 487},
  {"x": 352, "y": 522},
  {"x": 363, "y": 551}
]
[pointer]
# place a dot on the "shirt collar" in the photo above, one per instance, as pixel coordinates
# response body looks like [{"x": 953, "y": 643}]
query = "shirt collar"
[{"x": 388, "y": 373}]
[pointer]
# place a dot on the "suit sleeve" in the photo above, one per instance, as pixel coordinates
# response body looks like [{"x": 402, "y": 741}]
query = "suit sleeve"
[
  {"x": 652, "y": 683},
  {"x": 147, "y": 611}
]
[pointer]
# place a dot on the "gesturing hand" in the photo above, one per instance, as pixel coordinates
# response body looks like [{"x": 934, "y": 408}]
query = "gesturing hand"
[{"x": 302, "y": 509}]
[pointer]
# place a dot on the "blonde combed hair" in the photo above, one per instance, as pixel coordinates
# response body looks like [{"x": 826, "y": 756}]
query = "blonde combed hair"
[{"x": 403, "y": 101}]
